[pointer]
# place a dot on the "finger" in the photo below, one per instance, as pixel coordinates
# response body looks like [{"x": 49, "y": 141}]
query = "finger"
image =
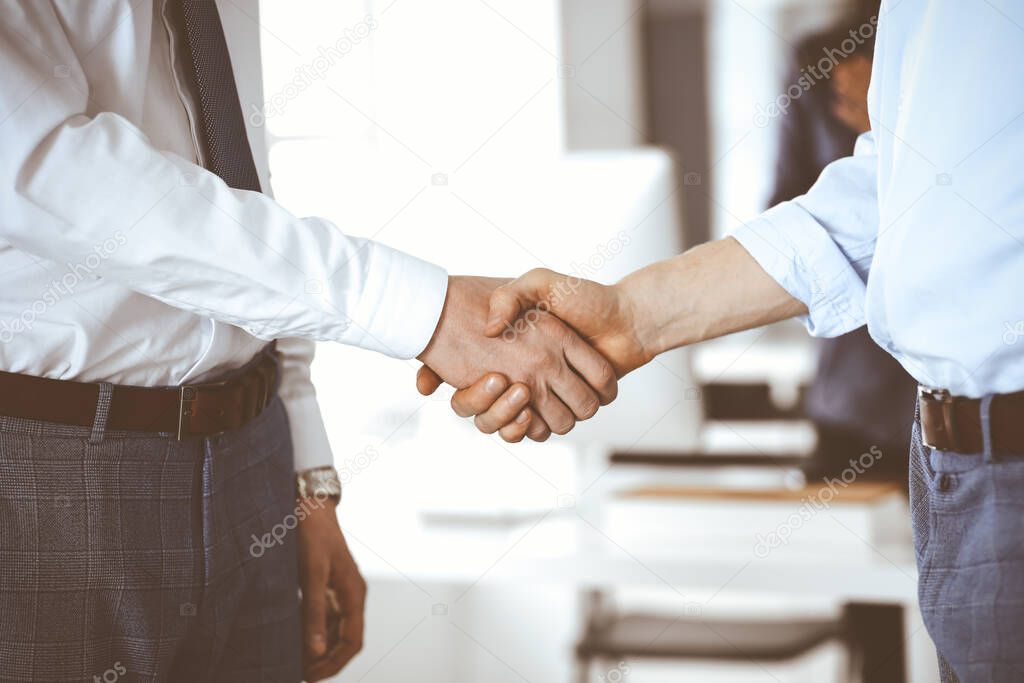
[
  {"x": 479, "y": 396},
  {"x": 515, "y": 431},
  {"x": 538, "y": 430},
  {"x": 353, "y": 623},
  {"x": 555, "y": 413},
  {"x": 342, "y": 652},
  {"x": 593, "y": 368},
  {"x": 351, "y": 592},
  {"x": 314, "y": 613},
  {"x": 333, "y": 604},
  {"x": 427, "y": 381},
  {"x": 511, "y": 299},
  {"x": 576, "y": 395},
  {"x": 505, "y": 410}
]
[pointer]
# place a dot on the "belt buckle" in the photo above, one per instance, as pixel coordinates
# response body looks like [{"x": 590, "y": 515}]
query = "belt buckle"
[
  {"x": 187, "y": 395},
  {"x": 945, "y": 399},
  {"x": 934, "y": 393}
]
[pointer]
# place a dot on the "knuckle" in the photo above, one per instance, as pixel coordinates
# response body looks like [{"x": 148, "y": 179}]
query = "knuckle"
[
  {"x": 552, "y": 326},
  {"x": 538, "y": 430},
  {"x": 539, "y": 273},
  {"x": 563, "y": 426},
  {"x": 358, "y": 596},
  {"x": 316, "y": 573},
  {"x": 502, "y": 295},
  {"x": 458, "y": 405},
  {"x": 541, "y": 366},
  {"x": 607, "y": 380},
  {"x": 589, "y": 407}
]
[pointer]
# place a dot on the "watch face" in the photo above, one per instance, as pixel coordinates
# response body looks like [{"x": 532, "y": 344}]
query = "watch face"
[{"x": 320, "y": 484}]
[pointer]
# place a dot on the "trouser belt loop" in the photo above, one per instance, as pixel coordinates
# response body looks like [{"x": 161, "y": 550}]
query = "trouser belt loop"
[
  {"x": 985, "y": 409},
  {"x": 99, "y": 422}
]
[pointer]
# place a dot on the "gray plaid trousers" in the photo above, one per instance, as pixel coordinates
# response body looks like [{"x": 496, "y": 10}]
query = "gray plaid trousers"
[
  {"x": 130, "y": 556},
  {"x": 968, "y": 520}
]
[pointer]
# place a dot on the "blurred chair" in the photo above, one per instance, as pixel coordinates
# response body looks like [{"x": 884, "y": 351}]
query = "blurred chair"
[
  {"x": 614, "y": 636},
  {"x": 872, "y": 655}
]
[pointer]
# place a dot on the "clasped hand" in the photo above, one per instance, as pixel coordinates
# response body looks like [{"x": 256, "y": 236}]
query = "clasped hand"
[{"x": 531, "y": 356}]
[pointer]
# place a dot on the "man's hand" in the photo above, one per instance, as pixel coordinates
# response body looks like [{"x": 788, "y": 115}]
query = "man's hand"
[
  {"x": 713, "y": 289},
  {"x": 567, "y": 380},
  {"x": 494, "y": 405},
  {"x": 333, "y": 593},
  {"x": 599, "y": 313},
  {"x": 602, "y": 314}
]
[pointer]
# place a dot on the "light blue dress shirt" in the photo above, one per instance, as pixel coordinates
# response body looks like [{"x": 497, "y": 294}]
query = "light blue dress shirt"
[{"x": 920, "y": 234}]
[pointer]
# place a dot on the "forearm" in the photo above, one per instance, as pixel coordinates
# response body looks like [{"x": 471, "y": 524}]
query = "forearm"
[
  {"x": 88, "y": 189},
  {"x": 711, "y": 290}
]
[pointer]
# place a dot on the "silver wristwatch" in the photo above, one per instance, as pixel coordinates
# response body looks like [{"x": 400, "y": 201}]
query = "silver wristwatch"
[{"x": 319, "y": 483}]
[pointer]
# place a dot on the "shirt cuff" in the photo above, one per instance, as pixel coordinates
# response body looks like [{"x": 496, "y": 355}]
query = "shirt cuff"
[
  {"x": 309, "y": 438},
  {"x": 401, "y": 304},
  {"x": 798, "y": 253}
]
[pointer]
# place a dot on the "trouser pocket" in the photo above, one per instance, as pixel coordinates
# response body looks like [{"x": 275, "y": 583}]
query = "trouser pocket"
[{"x": 969, "y": 535}]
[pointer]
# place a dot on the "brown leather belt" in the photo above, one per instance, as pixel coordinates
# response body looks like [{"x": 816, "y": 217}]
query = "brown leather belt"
[
  {"x": 193, "y": 410},
  {"x": 953, "y": 423}
]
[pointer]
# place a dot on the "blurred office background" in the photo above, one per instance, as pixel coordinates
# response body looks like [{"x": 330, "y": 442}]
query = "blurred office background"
[{"x": 674, "y": 537}]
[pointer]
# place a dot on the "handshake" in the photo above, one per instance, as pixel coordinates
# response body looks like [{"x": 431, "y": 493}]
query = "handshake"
[{"x": 534, "y": 355}]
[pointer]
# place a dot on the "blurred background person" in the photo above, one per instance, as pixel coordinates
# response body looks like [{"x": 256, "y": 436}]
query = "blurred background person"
[{"x": 860, "y": 397}]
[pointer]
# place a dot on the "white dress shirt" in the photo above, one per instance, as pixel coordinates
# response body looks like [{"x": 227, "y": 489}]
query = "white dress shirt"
[
  {"x": 122, "y": 260},
  {"x": 920, "y": 233}
]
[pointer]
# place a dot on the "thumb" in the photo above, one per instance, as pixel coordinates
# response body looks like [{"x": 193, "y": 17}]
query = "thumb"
[
  {"x": 510, "y": 300},
  {"x": 314, "y": 617},
  {"x": 427, "y": 381}
]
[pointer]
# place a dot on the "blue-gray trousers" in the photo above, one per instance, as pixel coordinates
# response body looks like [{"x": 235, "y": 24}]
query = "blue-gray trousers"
[
  {"x": 968, "y": 519},
  {"x": 130, "y": 556}
]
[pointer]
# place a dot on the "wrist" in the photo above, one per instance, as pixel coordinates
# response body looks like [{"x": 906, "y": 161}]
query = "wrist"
[
  {"x": 637, "y": 322},
  {"x": 318, "y": 487},
  {"x": 442, "y": 322},
  {"x": 673, "y": 302}
]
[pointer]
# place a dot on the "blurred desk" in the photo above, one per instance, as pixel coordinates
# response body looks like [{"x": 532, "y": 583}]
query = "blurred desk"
[
  {"x": 565, "y": 546},
  {"x": 577, "y": 550}
]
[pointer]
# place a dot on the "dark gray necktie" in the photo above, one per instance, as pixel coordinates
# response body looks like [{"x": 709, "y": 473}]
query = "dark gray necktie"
[{"x": 204, "y": 57}]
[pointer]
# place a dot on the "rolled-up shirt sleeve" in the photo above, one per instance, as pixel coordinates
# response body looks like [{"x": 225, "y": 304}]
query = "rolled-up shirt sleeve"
[{"x": 819, "y": 246}]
